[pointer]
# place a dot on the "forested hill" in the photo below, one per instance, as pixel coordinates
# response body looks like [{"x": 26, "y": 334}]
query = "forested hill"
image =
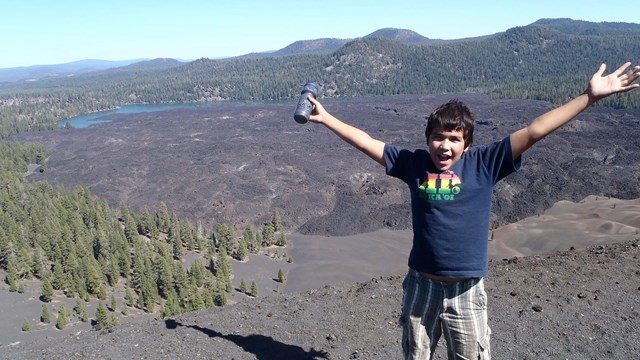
[
  {"x": 82, "y": 247},
  {"x": 549, "y": 60},
  {"x": 578, "y": 27}
]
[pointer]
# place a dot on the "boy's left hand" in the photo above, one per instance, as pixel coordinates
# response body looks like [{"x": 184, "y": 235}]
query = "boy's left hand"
[{"x": 616, "y": 82}]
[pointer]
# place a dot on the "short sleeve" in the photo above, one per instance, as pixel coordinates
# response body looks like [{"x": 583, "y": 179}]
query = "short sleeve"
[
  {"x": 498, "y": 159},
  {"x": 393, "y": 160}
]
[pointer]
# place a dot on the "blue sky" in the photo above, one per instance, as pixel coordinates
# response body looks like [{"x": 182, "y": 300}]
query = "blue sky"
[{"x": 38, "y": 32}]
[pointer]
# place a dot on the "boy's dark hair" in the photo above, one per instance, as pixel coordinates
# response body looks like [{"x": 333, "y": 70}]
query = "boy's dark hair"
[{"x": 451, "y": 116}]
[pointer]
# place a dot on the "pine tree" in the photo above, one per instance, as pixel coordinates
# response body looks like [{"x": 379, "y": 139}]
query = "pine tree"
[
  {"x": 81, "y": 310},
  {"x": 197, "y": 303},
  {"x": 114, "y": 321},
  {"x": 80, "y": 286},
  {"x": 254, "y": 289},
  {"x": 223, "y": 269},
  {"x": 175, "y": 238},
  {"x": 45, "y": 317},
  {"x": 102, "y": 292},
  {"x": 268, "y": 235},
  {"x": 165, "y": 277},
  {"x": 241, "y": 254},
  {"x": 12, "y": 274},
  {"x": 93, "y": 277},
  {"x": 223, "y": 265},
  {"x": 37, "y": 262},
  {"x": 221, "y": 298},
  {"x": 138, "y": 269},
  {"x": 277, "y": 221},
  {"x": 164, "y": 219},
  {"x": 24, "y": 260},
  {"x": 225, "y": 237},
  {"x": 101, "y": 248},
  {"x": 26, "y": 326},
  {"x": 172, "y": 306},
  {"x": 112, "y": 270},
  {"x": 250, "y": 239},
  {"x": 128, "y": 297},
  {"x": 281, "y": 276},
  {"x": 62, "y": 317},
  {"x": 102, "y": 318},
  {"x": 47, "y": 290},
  {"x": 258, "y": 242},
  {"x": 212, "y": 245},
  {"x": 180, "y": 280},
  {"x": 188, "y": 235},
  {"x": 59, "y": 279},
  {"x": 113, "y": 303},
  {"x": 78, "y": 306},
  {"x": 282, "y": 240},
  {"x": 243, "y": 286},
  {"x": 209, "y": 294},
  {"x": 197, "y": 273},
  {"x": 130, "y": 225},
  {"x": 148, "y": 294}
]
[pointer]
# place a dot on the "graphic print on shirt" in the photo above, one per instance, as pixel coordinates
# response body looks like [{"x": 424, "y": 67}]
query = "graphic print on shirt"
[{"x": 444, "y": 186}]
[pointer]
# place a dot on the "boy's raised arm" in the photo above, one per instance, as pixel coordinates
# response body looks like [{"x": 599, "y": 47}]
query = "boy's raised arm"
[
  {"x": 359, "y": 139},
  {"x": 621, "y": 80}
]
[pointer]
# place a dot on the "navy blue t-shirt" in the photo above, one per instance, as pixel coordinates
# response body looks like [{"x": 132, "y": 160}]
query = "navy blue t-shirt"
[{"x": 451, "y": 208}]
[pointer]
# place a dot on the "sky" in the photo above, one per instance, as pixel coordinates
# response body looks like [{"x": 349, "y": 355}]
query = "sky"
[{"x": 44, "y": 32}]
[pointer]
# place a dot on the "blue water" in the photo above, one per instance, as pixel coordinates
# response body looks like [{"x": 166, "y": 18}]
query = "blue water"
[{"x": 100, "y": 117}]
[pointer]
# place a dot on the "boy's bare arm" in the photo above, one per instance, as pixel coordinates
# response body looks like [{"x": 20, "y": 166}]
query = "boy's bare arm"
[
  {"x": 359, "y": 139},
  {"x": 599, "y": 87}
]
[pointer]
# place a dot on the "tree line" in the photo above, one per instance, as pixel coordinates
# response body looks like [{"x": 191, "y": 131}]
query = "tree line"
[
  {"x": 530, "y": 62},
  {"x": 80, "y": 247}
]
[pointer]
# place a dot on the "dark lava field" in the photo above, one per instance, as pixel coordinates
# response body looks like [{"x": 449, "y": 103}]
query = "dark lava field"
[{"x": 237, "y": 163}]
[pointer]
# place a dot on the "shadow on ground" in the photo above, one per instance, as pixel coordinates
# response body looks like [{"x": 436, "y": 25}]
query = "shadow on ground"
[{"x": 263, "y": 347}]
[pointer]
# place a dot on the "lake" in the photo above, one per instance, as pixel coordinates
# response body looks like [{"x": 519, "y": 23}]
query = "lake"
[{"x": 86, "y": 120}]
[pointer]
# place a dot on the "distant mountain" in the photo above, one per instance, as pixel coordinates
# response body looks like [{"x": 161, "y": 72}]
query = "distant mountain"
[
  {"x": 36, "y": 72},
  {"x": 319, "y": 46},
  {"x": 155, "y": 64},
  {"x": 300, "y": 47},
  {"x": 407, "y": 37},
  {"x": 329, "y": 45}
]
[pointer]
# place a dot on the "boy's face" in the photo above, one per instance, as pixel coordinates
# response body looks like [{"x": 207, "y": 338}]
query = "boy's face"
[{"x": 446, "y": 147}]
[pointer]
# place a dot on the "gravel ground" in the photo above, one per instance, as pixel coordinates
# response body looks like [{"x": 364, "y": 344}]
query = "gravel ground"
[{"x": 575, "y": 304}]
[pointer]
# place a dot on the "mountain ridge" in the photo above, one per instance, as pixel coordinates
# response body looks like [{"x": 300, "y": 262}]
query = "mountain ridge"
[
  {"x": 34, "y": 72},
  {"x": 318, "y": 46}
]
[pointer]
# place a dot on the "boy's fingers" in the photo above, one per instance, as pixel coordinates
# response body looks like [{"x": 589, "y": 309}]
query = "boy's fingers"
[{"x": 623, "y": 67}]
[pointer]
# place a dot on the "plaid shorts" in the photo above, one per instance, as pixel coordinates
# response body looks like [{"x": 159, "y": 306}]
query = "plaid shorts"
[{"x": 456, "y": 309}]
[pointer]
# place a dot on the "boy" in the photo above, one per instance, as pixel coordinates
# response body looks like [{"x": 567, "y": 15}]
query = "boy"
[{"x": 451, "y": 185}]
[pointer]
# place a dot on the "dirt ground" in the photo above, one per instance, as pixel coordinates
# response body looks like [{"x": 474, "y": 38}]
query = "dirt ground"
[
  {"x": 342, "y": 299},
  {"x": 579, "y": 304}
]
